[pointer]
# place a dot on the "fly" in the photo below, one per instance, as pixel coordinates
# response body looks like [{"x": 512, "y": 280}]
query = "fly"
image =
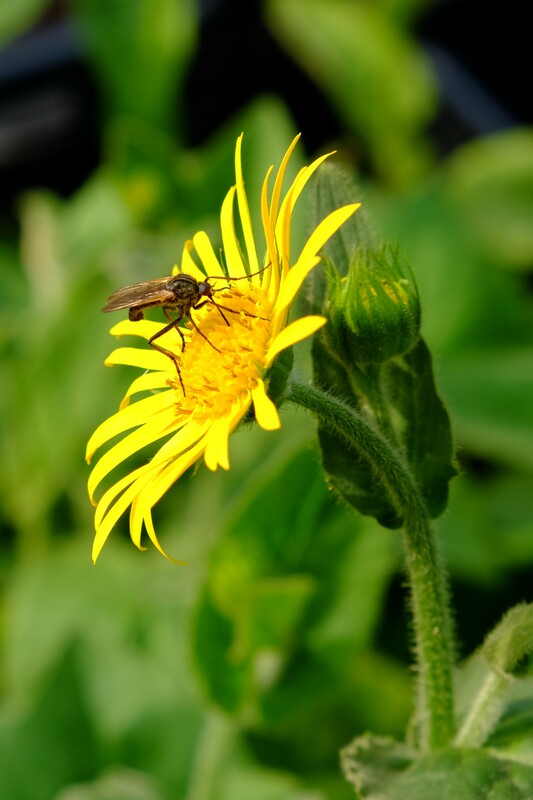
[{"x": 176, "y": 294}]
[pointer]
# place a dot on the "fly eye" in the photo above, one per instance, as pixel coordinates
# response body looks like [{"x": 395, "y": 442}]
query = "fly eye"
[{"x": 204, "y": 287}]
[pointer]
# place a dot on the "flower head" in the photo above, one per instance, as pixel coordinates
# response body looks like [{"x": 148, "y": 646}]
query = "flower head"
[{"x": 231, "y": 342}]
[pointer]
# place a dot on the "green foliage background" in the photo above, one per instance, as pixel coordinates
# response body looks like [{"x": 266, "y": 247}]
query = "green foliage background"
[{"x": 242, "y": 674}]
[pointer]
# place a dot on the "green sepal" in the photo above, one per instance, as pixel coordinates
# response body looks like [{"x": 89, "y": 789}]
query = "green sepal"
[
  {"x": 278, "y": 375},
  {"x": 374, "y": 311}
]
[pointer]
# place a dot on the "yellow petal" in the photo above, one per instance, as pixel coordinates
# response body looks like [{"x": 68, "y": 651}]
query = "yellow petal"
[
  {"x": 108, "y": 497},
  {"x": 303, "y": 177},
  {"x": 144, "y": 359},
  {"x": 188, "y": 265},
  {"x": 326, "y": 229},
  {"x": 147, "y": 382},
  {"x": 265, "y": 410},
  {"x": 244, "y": 211},
  {"x": 145, "y": 328},
  {"x": 270, "y": 281},
  {"x": 129, "y": 417},
  {"x": 148, "y": 522},
  {"x": 232, "y": 250},
  {"x": 166, "y": 475},
  {"x": 187, "y": 436},
  {"x": 216, "y": 451},
  {"x": 295, "y": 332},
  {"x": 147, "y": 434},
  {"x": 278, "y": 185},
  {"x": 293, "y": 281},
  {"x": 204, "y": 248},
  {"x": 115, "y": 512}
]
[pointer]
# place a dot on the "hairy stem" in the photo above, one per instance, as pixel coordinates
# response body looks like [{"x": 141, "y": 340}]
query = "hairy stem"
[{"x": 428, "y": 593}]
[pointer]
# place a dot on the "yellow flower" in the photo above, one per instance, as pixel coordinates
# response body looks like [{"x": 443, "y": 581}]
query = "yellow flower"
[{"x": 224, "y": 368}]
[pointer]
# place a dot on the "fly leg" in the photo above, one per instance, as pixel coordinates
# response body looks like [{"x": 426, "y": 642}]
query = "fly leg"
[{"x": 172, "y": 324}]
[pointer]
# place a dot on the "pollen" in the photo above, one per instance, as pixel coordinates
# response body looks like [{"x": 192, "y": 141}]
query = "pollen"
[{"x": 221, "y": 361}]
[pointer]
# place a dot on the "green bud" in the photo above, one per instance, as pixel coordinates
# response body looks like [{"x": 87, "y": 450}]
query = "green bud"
[{"x": 373, "y": 312}]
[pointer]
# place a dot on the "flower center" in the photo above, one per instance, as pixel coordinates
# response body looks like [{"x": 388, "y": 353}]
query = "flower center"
[{"x": 221, "y": 361}]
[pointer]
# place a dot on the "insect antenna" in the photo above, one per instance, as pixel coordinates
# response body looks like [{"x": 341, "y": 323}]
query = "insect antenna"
[
  {"x": 222, "y": 288},
  {"x": 228, "y": 278}
]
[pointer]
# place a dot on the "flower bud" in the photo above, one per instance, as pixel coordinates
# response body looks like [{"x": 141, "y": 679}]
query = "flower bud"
[{"x": 373, "y": 312}]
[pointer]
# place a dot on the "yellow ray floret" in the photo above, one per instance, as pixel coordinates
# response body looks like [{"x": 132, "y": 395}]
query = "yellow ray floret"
[{"x": 225, "y": 362}]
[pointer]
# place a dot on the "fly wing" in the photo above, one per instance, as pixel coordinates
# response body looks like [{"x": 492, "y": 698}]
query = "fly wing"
[{"x": 141, "y": 295}]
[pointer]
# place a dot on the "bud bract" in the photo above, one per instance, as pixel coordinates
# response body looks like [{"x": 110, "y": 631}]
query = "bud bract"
[{"x": 374, "y": 311}]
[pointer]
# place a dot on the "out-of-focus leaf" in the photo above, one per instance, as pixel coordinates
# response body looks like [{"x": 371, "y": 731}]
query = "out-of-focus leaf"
[
  {"x": 116, "y": 784},
  {"x": 381, "y": 768},
  {"x": 171, "y": 189},
  {"x": 491, "y": 393},
  {"x": 491, "y": 180},
  {"x": 278, "y": 629},
  {"x": 379, "y": 82},
  {"x": 128, "y": 619},
  {"x": 489, "y": 530},
  {"x": 140, "y": 51},
  {"x": 58, "y": 733},
  {"x": 513, "y": 737},
  {"x": 15, "y": 18}
]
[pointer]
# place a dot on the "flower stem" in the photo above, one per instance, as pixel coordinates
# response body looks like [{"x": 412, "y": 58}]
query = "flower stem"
[{"x": 428, "y": 592}]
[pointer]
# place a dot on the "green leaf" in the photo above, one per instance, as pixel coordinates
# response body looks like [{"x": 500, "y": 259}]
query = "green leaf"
[
  {"x": 141, "y": 51},
  {"x": 347, "y": 472},
  {"x": 426, "y": 436},
  {"x": 117, "y": 783},
  {"x": 58, "y": 733},
  {"x": 378, "y": 81},
  {"x": 491, "y": 392},
  {"x": 421, "y": 424},
  {"x": 488, "y": 533},
  {"x": 381, "y": 769},
  {"x": 17, "y": 17},
  {"x": 279, "y": 580},
  {"x": 491, "y": 181}
]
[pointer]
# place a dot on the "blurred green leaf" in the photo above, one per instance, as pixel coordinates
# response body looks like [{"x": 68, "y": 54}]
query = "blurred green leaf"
[
  {"x": 489, "y": 529},
  {"x": 491, "y": 393},
  {"x": 16, "y": 17},
  {"x": 491, "y": 180},
  {"x": 513, "y": 736},
  {"x": 132, "y": 653},
  {"x": 294, "y": 595},
  {"x": 166, "y": 186},
  {"x": 116, "y": 784},
  {"x": 381, "y": 768},
  {"x": 366, "y": 65},
  {"x": 58, "y": 733},
  {"x": 141, "y": 50}
]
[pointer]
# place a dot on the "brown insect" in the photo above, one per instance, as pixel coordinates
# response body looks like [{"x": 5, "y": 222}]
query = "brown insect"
[{"x": 178, "y": 294}]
